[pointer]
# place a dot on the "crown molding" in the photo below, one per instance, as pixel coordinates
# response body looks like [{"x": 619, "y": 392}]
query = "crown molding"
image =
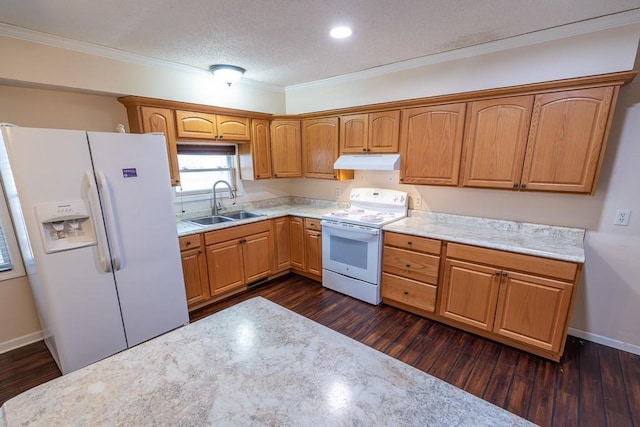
[
  {"x": 19, "y": 33},
  {"x": 551, "y": 34}
]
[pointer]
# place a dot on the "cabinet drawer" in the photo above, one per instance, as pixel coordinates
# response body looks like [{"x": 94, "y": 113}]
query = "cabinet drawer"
[
  {"x": 512, "y": 261},
  {"x": 413, "y": 265},
  {"x": 236, "y": 232},
  {"x": 190, "y": 242},
  {"x": 312, "y": 224},
  {"x": 409, "y": 292},
  {"x": 414, "y": 243}
]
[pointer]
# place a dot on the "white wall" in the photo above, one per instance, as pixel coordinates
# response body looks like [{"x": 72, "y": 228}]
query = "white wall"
[
  {"x": 32, "y": 64},
  {"x": 607, "y": 307}
]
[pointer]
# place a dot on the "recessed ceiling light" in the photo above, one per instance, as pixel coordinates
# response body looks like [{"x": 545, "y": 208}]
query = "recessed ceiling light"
[{"x": 340, "y": 32}]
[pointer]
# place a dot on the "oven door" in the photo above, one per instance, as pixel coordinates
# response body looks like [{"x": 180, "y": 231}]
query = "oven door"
[{"x": 351, "y": 250}]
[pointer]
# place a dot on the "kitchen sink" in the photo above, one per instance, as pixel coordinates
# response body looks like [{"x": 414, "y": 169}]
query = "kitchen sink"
[
  {"x": 229, "y": 216},
  {"x": 241, "y": 215},
  {"x": 209, "y": 220}
]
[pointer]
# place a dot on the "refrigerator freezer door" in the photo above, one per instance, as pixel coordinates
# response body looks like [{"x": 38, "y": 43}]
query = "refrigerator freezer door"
[
  {"x": 135, "y": 193},
  {"x": 77, "y": 302}
]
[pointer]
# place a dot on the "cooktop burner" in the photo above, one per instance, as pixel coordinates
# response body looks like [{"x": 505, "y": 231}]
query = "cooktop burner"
[{"x": 372, "y": 206}]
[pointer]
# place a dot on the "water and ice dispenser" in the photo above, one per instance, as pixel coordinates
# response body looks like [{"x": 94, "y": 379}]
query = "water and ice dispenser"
[{"x": 65, "y": 225}]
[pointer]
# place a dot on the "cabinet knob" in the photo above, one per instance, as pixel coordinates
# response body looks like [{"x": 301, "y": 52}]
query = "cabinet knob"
[
  {"x": 275, "y": 175},
  {"x": 409, "y": 242},
  {"x": 504, "y": 274},
  {"x": 405, "y": 292},
  {"x": 497, "y": 273},
  {"x": 523, "y": 185},
  {"x": 408, "y": 265},
  {"x": 220, "y": 136},
  {"x": 364, "y": 149},
  {"x": 188, "y": 243},
  {"x": 515, "y": 185}
]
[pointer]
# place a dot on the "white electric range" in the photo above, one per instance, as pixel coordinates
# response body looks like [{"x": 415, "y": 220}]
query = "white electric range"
[{"x": 352, "y": 241}]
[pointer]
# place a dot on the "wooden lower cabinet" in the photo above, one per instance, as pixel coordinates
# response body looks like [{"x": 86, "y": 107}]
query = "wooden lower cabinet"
[
  {"x": 282, "y": 245},
  {"x": 306, "y": 246},
  {"x": 410, "y": 272},
  {"x": 194, "y": 269},
  {"x": 238, "y": 255},
  {"x": 520, "y": 300}
]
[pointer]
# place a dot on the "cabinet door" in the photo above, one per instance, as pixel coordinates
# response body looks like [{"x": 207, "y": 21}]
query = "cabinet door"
[
  {"x": 256, "y": 255},
  {"x": 354, "y": 133},
  {"x": 320, "y": 147},
  {"x": 232, "y": 128},
  {"x": 313, "y": 249},
  {"x": 194, "y": 269},
  {"x": 260, "y": 149},
  {"x": 533, "y": 310},
  {"x": 286, "y": 149},
  {"x": 470, "y": 293},
  {"x": 161, "y": 120},
  {"x": 495, "y": 142},
  {"x": 384, "y": 130},
  {"x": 431, "y": 143},
  {"x": 224, "y": 261},
  {"x": 281, "y": 240},
  {"x": 566, "y": 140},
  {"x": 297, "y": 239},
  {"x": 196, "y": 125}
]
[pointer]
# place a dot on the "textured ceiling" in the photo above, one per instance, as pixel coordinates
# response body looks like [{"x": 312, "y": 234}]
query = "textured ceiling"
[{"x": 284, "y": 42}]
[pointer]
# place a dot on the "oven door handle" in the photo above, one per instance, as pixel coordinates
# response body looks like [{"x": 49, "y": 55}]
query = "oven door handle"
[{"x": 349, "y": 233}]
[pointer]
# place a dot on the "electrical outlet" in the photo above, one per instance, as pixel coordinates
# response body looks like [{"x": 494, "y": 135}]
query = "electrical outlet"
[
  {"x": 338, "y": 192},
  {"x": 622, "y": 217},
  {"x": 417, "y": 201}
]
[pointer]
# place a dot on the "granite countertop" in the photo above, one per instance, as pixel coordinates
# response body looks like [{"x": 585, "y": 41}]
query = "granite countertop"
[
  {"x": 255, "y": 363},
  {"x": 186, "y": 228},
  {"x": 561, "y": 243}
]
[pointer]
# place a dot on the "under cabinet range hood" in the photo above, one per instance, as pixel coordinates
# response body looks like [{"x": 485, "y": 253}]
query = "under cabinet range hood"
[{"x": 380, "y": 162}]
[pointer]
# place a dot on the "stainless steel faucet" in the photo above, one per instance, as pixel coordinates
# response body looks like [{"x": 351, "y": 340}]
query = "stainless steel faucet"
[{"x": 215, "y": 201}]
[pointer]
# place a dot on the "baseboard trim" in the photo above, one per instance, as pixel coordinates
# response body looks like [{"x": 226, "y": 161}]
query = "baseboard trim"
[
  {"x": 20, "y": 341},
  {"x": 609, "y": 342}
]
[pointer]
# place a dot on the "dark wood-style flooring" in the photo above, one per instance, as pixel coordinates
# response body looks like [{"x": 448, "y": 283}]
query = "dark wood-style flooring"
[{"x": 593, "y": 385}]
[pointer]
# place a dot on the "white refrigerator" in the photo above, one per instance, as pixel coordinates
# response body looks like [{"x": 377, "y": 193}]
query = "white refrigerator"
[{"x": 95, "y": 224}]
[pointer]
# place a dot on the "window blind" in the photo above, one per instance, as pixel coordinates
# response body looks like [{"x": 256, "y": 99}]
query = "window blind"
[{"x": 5, "y": 258}]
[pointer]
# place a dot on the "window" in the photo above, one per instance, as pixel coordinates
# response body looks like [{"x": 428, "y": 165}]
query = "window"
[
  {"x": 202, "y": 165},
  {"x": 10, "y": 261}
]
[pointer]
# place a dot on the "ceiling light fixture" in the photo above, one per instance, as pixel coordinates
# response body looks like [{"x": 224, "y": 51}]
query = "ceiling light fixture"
[
  {"x": 340, "y": 32},
  {"x": 227, "y": 73}
]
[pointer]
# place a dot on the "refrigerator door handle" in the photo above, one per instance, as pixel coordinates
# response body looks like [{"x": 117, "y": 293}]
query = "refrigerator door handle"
[
  {"x": 109, "y": 214},
  {"x": 94, "y": 202}
]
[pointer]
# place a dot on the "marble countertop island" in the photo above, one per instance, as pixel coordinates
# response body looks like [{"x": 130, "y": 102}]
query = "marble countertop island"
[{"x": 255, "y": 363}]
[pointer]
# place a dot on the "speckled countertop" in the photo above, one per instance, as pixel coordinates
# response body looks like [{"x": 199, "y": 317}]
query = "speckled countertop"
[
  {"x": 562, "y": 243},
  {"x": 255, "y": 363}
]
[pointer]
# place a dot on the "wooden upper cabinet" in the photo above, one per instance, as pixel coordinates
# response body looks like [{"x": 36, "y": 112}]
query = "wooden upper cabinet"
[
  {"x": 384, "y": 131},
  {"x": 320, "y": 149},
  {"x": 154, "y": 119},
  {"x": 196, "y": 125},
  {"x": 370, "y": 133},
  {"x": 192, "y": 124},
  {"x": 431, "y": 143},
  {"x": 567, "y": 139},
  {"x": 286, "y": 149},
  {"x": 233, "y": 128},
  {"x": 255, "y": 158},
  {"x": 354, "y": 133},
  {"x": 495, "y": 142}
]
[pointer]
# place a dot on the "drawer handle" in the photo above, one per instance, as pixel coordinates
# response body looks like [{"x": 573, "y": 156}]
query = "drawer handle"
[
  {"x": 409, "y": 242},
  {"x": 405, "y": 292},
  {"x": 408, "y": 265},
  {"x": 188, "y": 243}
]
